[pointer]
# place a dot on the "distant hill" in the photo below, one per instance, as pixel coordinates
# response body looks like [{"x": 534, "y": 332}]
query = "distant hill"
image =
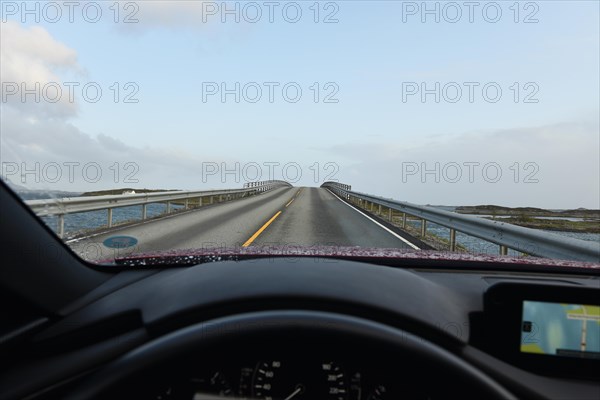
[
  {"x": 40, "y": 194},
  {"x": 124, "y": 191},
  {"x": 45, "y": 194},
  {"x": 529, "y": 211},
  {"x": 37, "y": 194},
  {"x": 493, "y": 208}
]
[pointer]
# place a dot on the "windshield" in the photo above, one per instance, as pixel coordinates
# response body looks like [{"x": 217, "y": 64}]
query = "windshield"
[{"x": 140, "y": 128}]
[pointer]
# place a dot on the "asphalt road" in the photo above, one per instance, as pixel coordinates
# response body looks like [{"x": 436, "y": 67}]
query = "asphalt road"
[{"x": 282, "y": 217}]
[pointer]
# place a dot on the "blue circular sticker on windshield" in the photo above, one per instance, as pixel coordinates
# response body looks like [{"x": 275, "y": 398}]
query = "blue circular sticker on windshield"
[{"x": 120, "y": 242}]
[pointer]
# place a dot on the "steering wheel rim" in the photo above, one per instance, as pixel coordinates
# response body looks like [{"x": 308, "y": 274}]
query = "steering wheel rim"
[{"x": 210, "y": 333}]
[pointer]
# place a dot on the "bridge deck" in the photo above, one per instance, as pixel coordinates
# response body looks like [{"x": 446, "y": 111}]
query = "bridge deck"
[{"x": 298, "y": 217}]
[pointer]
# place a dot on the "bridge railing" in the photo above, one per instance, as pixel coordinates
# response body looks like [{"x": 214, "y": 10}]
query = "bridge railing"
[
  {"x": 263, "y": 186},
  {"x": 506, "y": 236},
  {"x": 188, "y": 199},
  {"x": 340, "y": 189}
]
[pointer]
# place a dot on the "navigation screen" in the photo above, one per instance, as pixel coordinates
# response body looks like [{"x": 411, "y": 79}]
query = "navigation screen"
[{"x": 570, "y": 330}]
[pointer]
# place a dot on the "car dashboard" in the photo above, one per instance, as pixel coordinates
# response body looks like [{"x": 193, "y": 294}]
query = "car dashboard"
[{"x": 296, "y": 328}]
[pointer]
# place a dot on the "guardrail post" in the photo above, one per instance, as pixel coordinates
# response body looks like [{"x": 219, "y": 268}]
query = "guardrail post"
[
  {"x": 452, "y": 239},
  {"x": 423, "y": 227},
  {"x": 144, "y": 211},
  {"x": 110, "y": 210},
  {"x": 404, "y": 220},
  {"x": 503, "y": 250},
  {"x": 390, "y": 214},
  {"x": 379, "y": 210},
  {"x": 185, "y": 204},
  {"x": 61, "y": 225}
]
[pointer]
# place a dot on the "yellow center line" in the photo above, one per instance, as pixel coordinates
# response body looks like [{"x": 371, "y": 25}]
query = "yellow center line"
[{"x": 262, "y": 228}]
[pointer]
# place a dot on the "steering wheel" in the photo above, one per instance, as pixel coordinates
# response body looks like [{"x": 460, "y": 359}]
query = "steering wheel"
[{"x": 237, "y": 328}]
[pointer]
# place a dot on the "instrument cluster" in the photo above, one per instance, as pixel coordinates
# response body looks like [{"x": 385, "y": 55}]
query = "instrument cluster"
[{"x": 283, "y": 379}]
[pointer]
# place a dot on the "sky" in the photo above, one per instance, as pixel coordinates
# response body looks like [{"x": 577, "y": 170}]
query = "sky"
[{"x": 451, "y": 103}]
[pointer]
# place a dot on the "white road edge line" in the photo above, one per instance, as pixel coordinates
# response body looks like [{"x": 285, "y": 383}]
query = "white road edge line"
[{"x": 375, "y": 222}]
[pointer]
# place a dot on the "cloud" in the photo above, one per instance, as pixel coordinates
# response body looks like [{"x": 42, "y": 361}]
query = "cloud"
[
  {"x": 31, "y": 59},
  {"x": 28, "y": 54},
  {"x": 32, "y": 150},
  {"x": 150, "y": 15},
  {"x": 555, "y": 166},
  {"x": 35, "y": 137}
]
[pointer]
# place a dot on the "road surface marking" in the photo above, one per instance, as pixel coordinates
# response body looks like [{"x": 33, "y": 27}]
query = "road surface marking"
[
  {"x": 382, "y": 226},
  {"x": 290, "y": 202},
  {"x": 262, "y": 228}
]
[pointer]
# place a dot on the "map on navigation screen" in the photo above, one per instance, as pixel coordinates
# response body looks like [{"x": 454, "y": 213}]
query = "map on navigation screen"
[{"x": 571, "y": 330}]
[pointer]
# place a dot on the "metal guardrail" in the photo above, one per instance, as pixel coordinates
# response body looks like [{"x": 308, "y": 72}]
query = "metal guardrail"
[
  {"x": 507, "y": 236},
  {"x": 337, "y": 186},
  {"x": 72, "y": 205},
  {"x": 263, "y": 186}
]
